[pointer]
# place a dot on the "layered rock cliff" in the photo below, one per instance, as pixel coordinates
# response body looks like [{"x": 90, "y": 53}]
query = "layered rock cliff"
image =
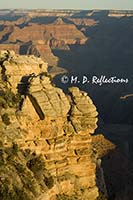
[
  {"x": 58, "y": 30},
  {"x": 25, "y": 37},
  {"x": 46, "y": 136},
  {"x": 40, "y": 49}
]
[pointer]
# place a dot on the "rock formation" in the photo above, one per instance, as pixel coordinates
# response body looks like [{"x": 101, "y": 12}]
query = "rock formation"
[
  {"x": 25, "y": 83},
  {"x": 11, "y": 47},
  {"x": 40, "y": 49},
  {"x": 14, "y": 68},
  {"x": 25, "y": 37},
  {"x": 69, "y": 34},
  {"x": 49, "y": 134},
  {"x": 83, "y": 21}
]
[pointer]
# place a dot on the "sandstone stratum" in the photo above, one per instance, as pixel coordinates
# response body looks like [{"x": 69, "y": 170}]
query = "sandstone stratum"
[
  {"x": 25, "y": 37},
  {"x": 47, "y": 149}
]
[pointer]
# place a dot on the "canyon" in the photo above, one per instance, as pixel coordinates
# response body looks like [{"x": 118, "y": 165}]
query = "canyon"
[{"x": 56, "y": 123}]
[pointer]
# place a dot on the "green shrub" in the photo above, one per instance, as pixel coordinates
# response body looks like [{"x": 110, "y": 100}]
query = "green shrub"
[
  {"x": 13, "y": 194},
  {"x": 11, "y": 98},
  {"x": 3, "y": 103},
  {"x": 49, "y": 182},
  {"x": 15, "y": 148},
  {"x": 36, "y": 164},
  {"x": 66, "y": 197},
  {"x": 20, "y": 180},
  {"x": 6, "y": 119}
]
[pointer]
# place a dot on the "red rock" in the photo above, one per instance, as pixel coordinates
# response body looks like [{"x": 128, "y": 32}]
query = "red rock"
[
  {"x": 83, "y": 21},
  {"x": 69, "y": 34},
  {"x": 14, "y": 47},
  {"x": 44, "y": 51}
]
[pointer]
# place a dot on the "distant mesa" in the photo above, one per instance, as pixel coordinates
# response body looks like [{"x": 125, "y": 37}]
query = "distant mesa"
[
  {"x": 126, "y": 96},
  {"x": 59, "y": 21}
]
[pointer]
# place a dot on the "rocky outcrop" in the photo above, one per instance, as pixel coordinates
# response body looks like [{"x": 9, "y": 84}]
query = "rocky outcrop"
[
  {"x": 40, "y": 49},
  {"x": 14, "y": 68},
  {"x": 101, "y": 145},
  {"x": 46, "y": 135},
  {"x": 83, "y": 21},
  {"x": 45, "y": 121},
  {"x": 116, "y": 164},
  {"x": 66, "y": 135}
]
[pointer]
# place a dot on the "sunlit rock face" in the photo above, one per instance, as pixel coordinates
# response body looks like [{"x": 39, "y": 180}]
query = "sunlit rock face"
[
  {"x": 47, "y": 122},
  {"x": 57, "y": 31}
]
